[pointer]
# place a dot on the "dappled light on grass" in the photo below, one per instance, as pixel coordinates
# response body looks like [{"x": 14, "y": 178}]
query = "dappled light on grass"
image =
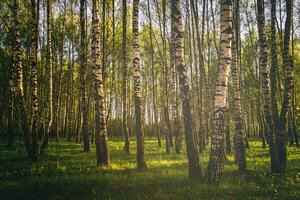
[{"x": 68, "y": 172}]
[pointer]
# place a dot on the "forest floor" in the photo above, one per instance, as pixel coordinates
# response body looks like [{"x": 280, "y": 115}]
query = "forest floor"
[{"x": 68, "y": 173}]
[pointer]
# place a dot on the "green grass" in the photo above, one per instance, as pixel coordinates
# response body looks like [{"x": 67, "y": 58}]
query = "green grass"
[{"x": 68, "y": 173}]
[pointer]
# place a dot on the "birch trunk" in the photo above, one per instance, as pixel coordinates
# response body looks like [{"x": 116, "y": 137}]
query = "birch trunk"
[
  {"x": 102, "y": 149},
  {"x": 217, "y": 154},
  {"x": 124, "y": 81},
  {"x": 239, "y": 146},
  {"x": 189, "y": 129},
  {"x": 264, "y": 73},
  {"x": 141, "y": 163}
]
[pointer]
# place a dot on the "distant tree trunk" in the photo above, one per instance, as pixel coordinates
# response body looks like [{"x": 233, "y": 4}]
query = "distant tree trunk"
[
  {"x": 174, "y": 91},
  {"x": 103, "y": 43},
  {"x": 165, "y": 121},
  {"x": 34, "y": 98},
  {"x": 49, "y": 127},
  {"x": 169, "y": 135},
  {"x": 83, "y": 66},
  {"x": 208, "y": 99},
  {"x": 67, "y": 124},
  {"x": 214, "y": 24},
  {"x": 19, "y": 77},
  {"x": 216, "y": 160},
  {"x": 102, "y": 149},
  {"x": 165, "y": 99},
  {"x": 203, "y": 79},
  {"x": 10, "y": 113},
  {"x": 141, "y": 163},
  {"x": 201, "y": 87},
  {"x": 78, "y": 123},
  {"x": 260, "y": 120},
  {"x": 239, "y": 146},
  {"x": 294, "y": 99},
  {"x": 264, "y": 73},
  {"x": 288, "y": 90},
  {"x": 274, "y": 66},
  {"x": 192, "y": 152},
  {"x": 113, "y": 64},
  {"x": 124, "y": 81},
  {"x": 71, "y": 125},
  {"x": 188, "y": 43},
  {"x": 153, "y": 75},
  {"x": 58, "y": 109}
]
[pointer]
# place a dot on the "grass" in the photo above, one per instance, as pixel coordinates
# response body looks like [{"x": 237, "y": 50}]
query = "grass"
[{"x": 68, "y": 173}]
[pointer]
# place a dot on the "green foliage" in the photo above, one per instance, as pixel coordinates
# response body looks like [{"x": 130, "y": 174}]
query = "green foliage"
[{"x": 68, "y": 173}]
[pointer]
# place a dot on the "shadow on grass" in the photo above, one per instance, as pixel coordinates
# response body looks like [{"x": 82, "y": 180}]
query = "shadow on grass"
[{"x": 69, "y": 173}]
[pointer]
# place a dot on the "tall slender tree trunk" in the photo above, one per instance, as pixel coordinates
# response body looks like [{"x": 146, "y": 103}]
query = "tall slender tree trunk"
[
  {"x": 216, "y": 159},
  {"x": 274, "y": 65},
  {"x": 71, "y": 125},
  {"x": 239, "y": 146},
  {"x": 113, "y": 63},
  {"x": 69, "y": 97},
  {"x": 59, "y": 106},
  {"x": 83, "y": 74},
  {"x": 102, "y": 149},
  {"x": 208, "y": 99},
  {"x": 169, "y": 135},
  {"x": 165, "y": 111},
  {"x": 203, "y": 78},
  {"x": 173, "y": 86},
  {"x": 49, "y": 127},
  {"x": 294, "y": 98},
  {"x": 153, "y": 75},
  {"x": 103, "y": 43},
  {"x": 141, "y": 163},
  {"x": 34, "y": 97},
  {"x": 19, "y": 77},
  {"x": 265, "y": 84},
  {"x": 201, "y": 87},
  {"x": 288, "y": 90},
  {"x": 189, "y": 129},
  {"x": 124, "y": 81},
  {"x": 165, "y": 121}
]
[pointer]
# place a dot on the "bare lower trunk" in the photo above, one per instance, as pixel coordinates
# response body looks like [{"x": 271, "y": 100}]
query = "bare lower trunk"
[
  {"x": 239, "y": 146},
  {"x": 288, "y": 90},
  {"x": 102, "y": 149},
  {"x": 34, "y": 100},
  {"x": 124, "y": 81},
  {"x": 264, "y": 73},
  {"x": 174, "y": 91},
  {"x": 19, "y": 78},
  {"x": 49, "y": 126},
  {"x": 189, "y": 129},
  {"x": 139, "y": 131},
  {"x": 216, "y": 159},
  {"x": 153, "y": 77},
  {"x": 83, "y": 74}
]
